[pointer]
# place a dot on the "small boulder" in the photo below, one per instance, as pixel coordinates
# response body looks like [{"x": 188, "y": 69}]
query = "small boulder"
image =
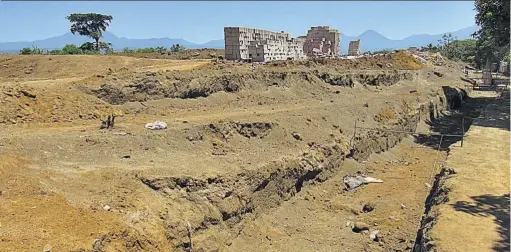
[
  {"x": 360, "y": 226},
  {"x": 368, "y": 207},
  {"x": 297, "y": 136}
]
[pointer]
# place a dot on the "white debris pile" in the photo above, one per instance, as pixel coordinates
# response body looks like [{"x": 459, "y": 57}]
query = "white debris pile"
[
  {"x": 158, "y": 125},
  {"x": 352, "y": 182}
]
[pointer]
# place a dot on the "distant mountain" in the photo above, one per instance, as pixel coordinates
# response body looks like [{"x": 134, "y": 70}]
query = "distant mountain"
[
  {"x": 117, "y": 42},
  {"x": 369, "y": 41},
  {"x": 373, "y": 41}
]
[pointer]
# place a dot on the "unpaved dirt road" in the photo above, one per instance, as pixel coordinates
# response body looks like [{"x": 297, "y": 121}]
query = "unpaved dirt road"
[{"x": 476, "y": 217}]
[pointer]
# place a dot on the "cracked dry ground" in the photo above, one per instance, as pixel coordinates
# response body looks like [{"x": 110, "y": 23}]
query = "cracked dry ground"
[{"x": 254, "y": 160}]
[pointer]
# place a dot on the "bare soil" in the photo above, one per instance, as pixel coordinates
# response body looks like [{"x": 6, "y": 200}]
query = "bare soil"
[
  {"x": 475, "y": 216},
  {"x": 253, "y": 159}
]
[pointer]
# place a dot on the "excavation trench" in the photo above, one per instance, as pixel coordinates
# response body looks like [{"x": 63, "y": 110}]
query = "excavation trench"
[
  {"x": 463, "y": 106},
  {"x": 227, "y": 202}
]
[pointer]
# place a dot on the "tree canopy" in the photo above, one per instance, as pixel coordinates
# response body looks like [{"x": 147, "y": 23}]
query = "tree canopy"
[
  {"x": 493, "y": 36},
  {"x": 89, "y": 24},
  {"x": 177, "y": 48}
]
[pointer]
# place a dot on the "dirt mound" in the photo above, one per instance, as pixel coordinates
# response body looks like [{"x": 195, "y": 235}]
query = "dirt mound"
[
  {"x": 249, "y": 130},
  {"x": 22, "y": 104},
  {"x": 64, "y": 66},
  {"x": 188, "y": 54},
  {"x": 233, "y": 77},
  {"x": 399, "y": 61},
  {"x": 372, "y": 79}
]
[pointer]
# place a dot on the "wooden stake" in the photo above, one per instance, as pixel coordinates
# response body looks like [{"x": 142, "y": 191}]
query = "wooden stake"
[{"x": 189, "y": 227}]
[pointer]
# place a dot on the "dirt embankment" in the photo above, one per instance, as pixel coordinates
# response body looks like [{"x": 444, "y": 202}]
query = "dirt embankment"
[
  {"x": 236, "y": 200},
  {"x": 229, "y": 160},
  {"x": 36, "y": 67},
  {"x": 188, "y": 54},
  {"x": 383, "y": 70}
]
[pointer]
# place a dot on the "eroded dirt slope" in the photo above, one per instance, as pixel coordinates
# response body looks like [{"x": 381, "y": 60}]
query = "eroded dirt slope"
[{"x": 244, "y": 148}]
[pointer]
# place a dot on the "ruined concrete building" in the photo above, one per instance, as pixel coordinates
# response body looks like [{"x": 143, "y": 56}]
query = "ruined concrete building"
[
  {"x": 322, "y": 41},
  {"x": 354, "y": 48},
  {"x": 261, "y": 46}
]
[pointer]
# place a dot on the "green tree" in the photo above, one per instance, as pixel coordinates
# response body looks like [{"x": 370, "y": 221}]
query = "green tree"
[
  {"x": 177, "y": 48},
  {"x": 88, "y": 46},
  {"x": 90, "y": 24},
  {"x": 71, "y": 49},
  {"x": 26, "y": 51},
  {"x": 126, "y": 50},
  {"x": 160, "y": 49},
  {"x": 492, "y": 16},
  {"x": 104, "y": 46},
  {"x": 145, "y": 50},
  {"x": 56, "y": 52}
]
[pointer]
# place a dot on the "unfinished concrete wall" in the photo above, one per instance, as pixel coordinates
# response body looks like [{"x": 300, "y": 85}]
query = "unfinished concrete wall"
[
  {"x": 238, "y": 39},
  {"x": 354, "y": 48},
  {"x": 261, "y": 45},
  {"x": 323, "y": 41},
  {"x": 267, "y": 50}
]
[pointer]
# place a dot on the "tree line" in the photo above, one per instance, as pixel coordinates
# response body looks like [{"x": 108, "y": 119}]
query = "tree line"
[
  {"x": 89, "y": 48},
  {"x": 489, "y": 44},
  {"x": 93, "y": 25}
]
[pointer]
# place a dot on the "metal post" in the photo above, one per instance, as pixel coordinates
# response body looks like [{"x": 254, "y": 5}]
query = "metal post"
[
  {"x": 462, "y": 130},
  {"x": 354, "y": 134}
]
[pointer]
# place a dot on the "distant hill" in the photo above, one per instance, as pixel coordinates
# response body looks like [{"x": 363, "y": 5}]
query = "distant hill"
[
  {"x": 369, "y": 41},
  {"x": 117, "y": 42},
  {"x": 373, "y": 41}
]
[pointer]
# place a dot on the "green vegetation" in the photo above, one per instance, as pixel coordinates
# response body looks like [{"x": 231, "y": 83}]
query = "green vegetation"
[
  {"x": 33, "y": 50},
  {"x": 493, "y": 36},
  {"x": 491, "y": 42},
  {"x": 160, "y": 49},
  {"x": 177, "y": 48},
  {"x": 384, "y": 51},
  {"x": 90, "y": 25}
]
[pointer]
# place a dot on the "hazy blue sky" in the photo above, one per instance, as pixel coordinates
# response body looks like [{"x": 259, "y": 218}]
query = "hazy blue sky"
[{"x": 203, "y": 21}]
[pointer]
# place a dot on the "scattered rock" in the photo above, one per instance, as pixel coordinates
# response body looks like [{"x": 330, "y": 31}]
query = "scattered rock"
[
  {"x": 427, "y": 185},
  {"x": 297, "y": 136},
  {"x": 374, "y": 235},
  {"x": 403, "y": 206},
  {"x": 47, "y": 248},
  {"x": 185, "y": 121},
  {"x": 368, "y": 207},
  {"x": 352, "y": 182},
  {"x": 126, "y": 156},
  {"x": 438, "y": 74},
  {"x": 366, "y": 105},
  {"x": 158, "y": 125},
  {"x": 119, "y": 133},
  {"x": 27, "y": 94},
  {"x": 360, "y": 226},
  {"x": 106, "y": 208}
]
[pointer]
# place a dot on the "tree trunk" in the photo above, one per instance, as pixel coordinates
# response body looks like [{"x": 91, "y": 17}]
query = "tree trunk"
[{"x": 97, "y": 44}]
